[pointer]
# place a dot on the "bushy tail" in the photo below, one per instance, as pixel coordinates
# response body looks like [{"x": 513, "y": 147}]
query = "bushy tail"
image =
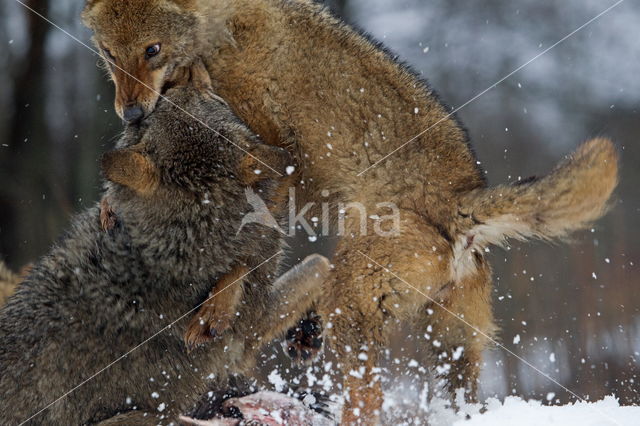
[{"x": 571, "y": 197}]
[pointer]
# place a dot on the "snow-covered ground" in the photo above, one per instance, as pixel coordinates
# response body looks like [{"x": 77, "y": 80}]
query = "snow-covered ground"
[
  {"x": 406, "y": 408},
  {"x": 270, "y": 408},
  {"x": 515, "y": 411}
]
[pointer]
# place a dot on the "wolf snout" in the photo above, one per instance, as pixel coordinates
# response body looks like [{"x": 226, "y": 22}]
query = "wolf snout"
[{"x": 133, "y": 114}]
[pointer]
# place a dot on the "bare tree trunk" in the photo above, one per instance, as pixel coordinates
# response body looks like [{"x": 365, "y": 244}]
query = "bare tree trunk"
[{"x": 23, "y": 163}]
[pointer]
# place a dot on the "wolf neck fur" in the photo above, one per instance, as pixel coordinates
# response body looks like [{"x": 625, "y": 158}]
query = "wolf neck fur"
[
  {"x": 214, "y": 17},
  {"x": 194, "y": 235}
]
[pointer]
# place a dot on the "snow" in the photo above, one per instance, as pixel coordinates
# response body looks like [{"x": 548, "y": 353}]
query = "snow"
[
  {"x": 514, "y": 410},
  {"x": 276, "y": 380},
  {"x": 408, "y": 405}
]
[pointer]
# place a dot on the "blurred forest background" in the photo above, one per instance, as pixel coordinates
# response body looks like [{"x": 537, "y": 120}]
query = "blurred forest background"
[{"x": 571, "y": 310}]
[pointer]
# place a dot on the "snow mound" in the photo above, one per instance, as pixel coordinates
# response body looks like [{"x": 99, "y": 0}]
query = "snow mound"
[{"x": 514, "y": 410}]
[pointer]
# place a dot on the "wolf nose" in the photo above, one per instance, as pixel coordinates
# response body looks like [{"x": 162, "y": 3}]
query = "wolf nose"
[{"x": 133, "y": 114}]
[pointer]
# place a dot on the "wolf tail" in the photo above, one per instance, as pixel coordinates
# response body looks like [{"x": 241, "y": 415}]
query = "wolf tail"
[{"x": 568, "y": 199}]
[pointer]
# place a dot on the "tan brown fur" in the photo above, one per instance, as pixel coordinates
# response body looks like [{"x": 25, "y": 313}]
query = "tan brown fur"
[
  {"x": 132, "y": 169},
  {"x": 570, "y": 198},
  {"x": 302, "y": 79},
  {"x": 8, "y": 282},
  {"x": 216, "y": 315}
]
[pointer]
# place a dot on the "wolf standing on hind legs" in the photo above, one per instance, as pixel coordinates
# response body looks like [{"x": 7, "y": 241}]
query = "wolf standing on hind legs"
[{"x": 304, "y": 80}]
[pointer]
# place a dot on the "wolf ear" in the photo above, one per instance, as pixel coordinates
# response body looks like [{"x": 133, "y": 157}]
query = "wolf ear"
[
  {"x": 264, "y": 162},
  {"x": 86, "y": 15},
  {"x": 131, "y": 169},
  {"x": 90, "y": 3}
]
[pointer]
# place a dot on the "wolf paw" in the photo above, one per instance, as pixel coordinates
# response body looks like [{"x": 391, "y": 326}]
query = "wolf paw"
[
  {"x": 207, "y": 325},
  {"x": 304, "y": 342}
]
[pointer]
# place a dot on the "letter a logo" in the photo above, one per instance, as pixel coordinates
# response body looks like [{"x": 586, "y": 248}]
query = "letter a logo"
[{"x": 260, "y": 214}]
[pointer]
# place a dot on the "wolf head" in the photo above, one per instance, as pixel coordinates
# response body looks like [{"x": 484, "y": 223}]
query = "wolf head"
[
  {"x": 143, "y": 43},
  {"x": 191, "y": 152}
]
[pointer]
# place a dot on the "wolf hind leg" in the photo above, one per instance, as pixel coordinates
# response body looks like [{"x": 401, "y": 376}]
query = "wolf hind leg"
[
  {"x": 457, "y": 330},
  {"x": 292, "y": 296},
  {"x": 378, "y": 281}
]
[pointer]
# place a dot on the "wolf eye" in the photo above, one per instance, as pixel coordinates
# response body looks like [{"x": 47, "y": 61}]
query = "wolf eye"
[
  {"x": 108, "y": 54},
  {"x": 152, "y": 51}
]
